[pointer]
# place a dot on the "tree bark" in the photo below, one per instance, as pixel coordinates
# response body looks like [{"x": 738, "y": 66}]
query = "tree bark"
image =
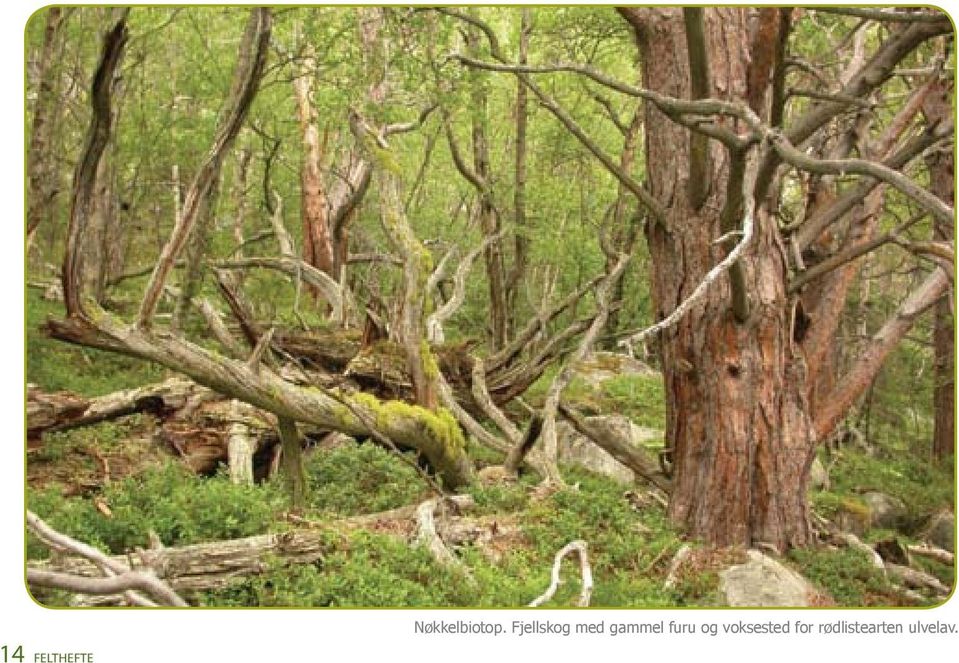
[
  {"x": 41, "y": 175},
  {"x": 48, "y": 412},
  {"x": 520, "y": 221},
  {"x": 488, "y": 215},
  {"x": 942, "y": 176},
  {"x": 737, "y": 421},
  {"x": 314, "y": 207}
]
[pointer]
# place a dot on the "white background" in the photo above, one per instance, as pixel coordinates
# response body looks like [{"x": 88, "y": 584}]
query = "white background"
[{"x": 241, "y": 636}]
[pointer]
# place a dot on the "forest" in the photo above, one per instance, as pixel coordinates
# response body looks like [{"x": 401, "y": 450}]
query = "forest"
[{"x": 490, "y": 306}]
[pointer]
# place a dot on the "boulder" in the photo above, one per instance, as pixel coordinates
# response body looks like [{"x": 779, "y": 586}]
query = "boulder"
[
  {"x": 598, "y": 367},
  {"x": 575, "y": 449},
  {"x": 886, "y": 511},
  {"x": 853, "y": 516},
  {"x": 940, "y": 530},
  {"x": 762, "y": 582}
]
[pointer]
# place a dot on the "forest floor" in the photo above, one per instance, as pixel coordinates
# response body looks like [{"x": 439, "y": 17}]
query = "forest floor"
[{"x": 114, "y": 485}]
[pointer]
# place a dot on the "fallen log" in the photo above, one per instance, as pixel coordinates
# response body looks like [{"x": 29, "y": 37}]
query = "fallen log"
[
  {"x": 217, "y": 564},
  {"x": 932, "y": 552},
  {"x": 618, "y": 449},
  {"x": 59, "y": 411},
  {"x": 917, "y": 579}
]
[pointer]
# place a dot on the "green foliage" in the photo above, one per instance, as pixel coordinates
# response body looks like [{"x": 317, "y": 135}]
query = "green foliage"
[
  {"x": 178, "y": 506},
  {"x": 639, "y": 397},
  {"x": 846, "y": 574},
  {"x": 361, "y": 570},
  {"x": 922, "y": 485},
  {"x": 623, "y": 542},
  {"x": 499, "y": 498},
  {"x": 54, "y": 365},
  {"x": 361, "y": 479}
]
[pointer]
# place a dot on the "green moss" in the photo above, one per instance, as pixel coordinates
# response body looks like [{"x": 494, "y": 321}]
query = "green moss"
[
  {"x": 441, "y": 425},
  {"x": 430, "y": 367}
]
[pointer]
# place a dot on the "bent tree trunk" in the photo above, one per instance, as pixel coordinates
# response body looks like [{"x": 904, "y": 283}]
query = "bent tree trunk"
[{"x": 737, "y": 419}]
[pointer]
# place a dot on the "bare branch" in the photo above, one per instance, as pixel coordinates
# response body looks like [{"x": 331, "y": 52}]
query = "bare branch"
[
  {"x": 120, "y": 578},
  {"x": 564, "y": 377},
  {"x": 855, "y": 382},
  {"x": 892, "y": 14},
  {"x": 537, "y": 325},
  {"x": 482, "y": 398},
  {"x": 812, "y": 227},
  {"x": 435, "y": 322},
  {"x": 749, "y": 178},
  {"x": 336, "y": 296},
  {"x": 579, "y": 547},
  {"x": 406, "y": 127},
  {"x": 837, "y": 260},
  {"x": 84, "y": 179}
]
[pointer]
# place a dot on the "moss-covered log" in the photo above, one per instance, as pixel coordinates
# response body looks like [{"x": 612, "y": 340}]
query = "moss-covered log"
[{"x": 434, "y": 433}]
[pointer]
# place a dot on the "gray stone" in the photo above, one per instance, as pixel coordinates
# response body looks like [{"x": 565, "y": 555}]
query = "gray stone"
[
  {"x": 885, "y": 511},
  {"x": 598, "y": 367},
  {"x": 940, "y": 530},
  {"x": 576, "y": 449},
  {"x": 762, "y": 582}
]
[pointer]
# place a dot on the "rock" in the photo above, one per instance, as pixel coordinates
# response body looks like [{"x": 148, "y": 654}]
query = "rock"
[
  {"x": 578, "y": 450},
  {"x": 762, "y": 582},
  {"x": 853, "y": 516},
  {"x": 818, "y": 476},
  {"x": 598, "y": 367},
  {"x": 495, "y": 474},
  {"x": 885, "y": 511},
  {"x": 940, "y": 530}
]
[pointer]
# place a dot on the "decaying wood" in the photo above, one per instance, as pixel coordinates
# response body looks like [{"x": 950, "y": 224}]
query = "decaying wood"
[
  {"x": 917, "y": 579},
  {"x": 292, "y": 458},
  {"x": 853, "y": 541},
  {"x": 618, "y": 449},
  {"x": 428, "y": 536},
  {"x": 482, "y": 397},
  {"x": 241, "y": 447},
  {"x": 120, "y": 578},
  {"x": 580, "y": 548},
  {"x": 214, "y": 565},
  {"x": 217, "y": 564},
  {"x": 672, "y": 576},
  {"x": 58, "y": 411},
  {"x": 932, "y": 552}
]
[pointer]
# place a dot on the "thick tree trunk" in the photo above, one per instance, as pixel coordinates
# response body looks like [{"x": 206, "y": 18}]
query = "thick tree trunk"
[{"x": 737, "y": 418}]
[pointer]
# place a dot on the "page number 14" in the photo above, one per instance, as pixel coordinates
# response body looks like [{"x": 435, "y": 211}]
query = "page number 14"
[{"x": 17, "y": 654}]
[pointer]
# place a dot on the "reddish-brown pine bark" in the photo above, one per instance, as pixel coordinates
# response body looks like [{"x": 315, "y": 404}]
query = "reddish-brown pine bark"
[{"x": 738, "y": 421}]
